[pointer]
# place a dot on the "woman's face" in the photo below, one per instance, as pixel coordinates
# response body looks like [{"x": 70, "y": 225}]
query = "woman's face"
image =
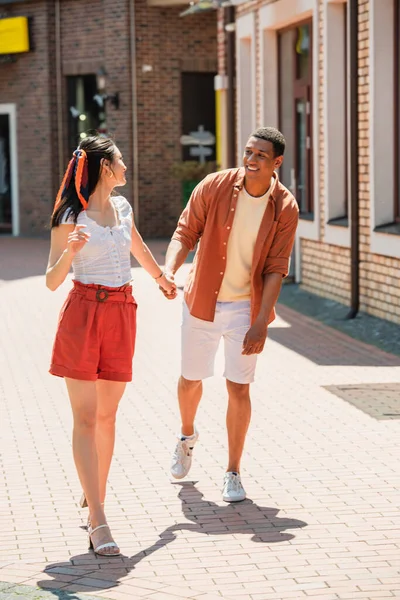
[{"x": 117, "y": 169}]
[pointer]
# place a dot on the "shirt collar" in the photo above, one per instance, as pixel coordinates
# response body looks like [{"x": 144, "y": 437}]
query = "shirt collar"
[{"x": 239, "y": 181}]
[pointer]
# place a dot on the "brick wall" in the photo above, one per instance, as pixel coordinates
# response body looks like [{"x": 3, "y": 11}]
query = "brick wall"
[{"x": 96, "y": 33}]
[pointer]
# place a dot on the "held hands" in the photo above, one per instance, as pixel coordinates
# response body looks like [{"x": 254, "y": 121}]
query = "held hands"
[
  {"x": 77, "y": 239},
  {"x": 254, "y": 339},
  {"x": 167, "y": 285}
]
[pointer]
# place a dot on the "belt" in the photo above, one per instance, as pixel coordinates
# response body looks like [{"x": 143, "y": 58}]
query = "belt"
[{"x": 104, "y": 294}]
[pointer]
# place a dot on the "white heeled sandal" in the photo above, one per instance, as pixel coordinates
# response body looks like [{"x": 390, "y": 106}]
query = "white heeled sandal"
[{"x": 100, "y": 549}]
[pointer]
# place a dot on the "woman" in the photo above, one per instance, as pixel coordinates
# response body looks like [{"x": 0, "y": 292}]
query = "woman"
[{"x": 94, "y": 232}]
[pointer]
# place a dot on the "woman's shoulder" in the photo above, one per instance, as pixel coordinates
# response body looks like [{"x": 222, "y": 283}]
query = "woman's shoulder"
[{"x": 123, "y": 206}]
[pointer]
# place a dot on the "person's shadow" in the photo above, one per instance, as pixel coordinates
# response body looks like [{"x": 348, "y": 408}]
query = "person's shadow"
[{"x": 204, "y": 517}]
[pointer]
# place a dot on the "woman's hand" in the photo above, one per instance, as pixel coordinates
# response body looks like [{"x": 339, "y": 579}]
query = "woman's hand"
[
  {"x": 167, "y": 286},
  {"x": 77, "y": 240}
]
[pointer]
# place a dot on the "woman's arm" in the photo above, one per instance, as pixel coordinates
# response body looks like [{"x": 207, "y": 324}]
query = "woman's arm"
[
  {"x": 66, "y": 241},
  {"x": 142, "y": 253}
]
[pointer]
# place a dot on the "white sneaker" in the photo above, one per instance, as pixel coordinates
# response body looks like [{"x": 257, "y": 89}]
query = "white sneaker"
[
  {"x": 182, "y": 456},
  {"x": 233, "y": 490}
]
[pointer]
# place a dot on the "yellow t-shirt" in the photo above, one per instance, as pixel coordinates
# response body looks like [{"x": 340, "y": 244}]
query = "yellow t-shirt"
[{"x": 249, "y": 213}]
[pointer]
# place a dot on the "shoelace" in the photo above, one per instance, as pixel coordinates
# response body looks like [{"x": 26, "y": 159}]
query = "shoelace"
[
  {"x": 181, "y": 450},
  {"x": 234, "y": 484}
]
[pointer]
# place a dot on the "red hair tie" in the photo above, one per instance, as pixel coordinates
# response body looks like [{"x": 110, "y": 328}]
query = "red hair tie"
[{"x": 78, "y": 167}]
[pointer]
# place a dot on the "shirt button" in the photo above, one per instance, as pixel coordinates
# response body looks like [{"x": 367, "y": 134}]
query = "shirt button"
[
  {"x": 232, "y": 209},
  {"x": 221, "y": 273},
  {"x": 216, "y": 292},
  {"x": 228, "y": 227},
  {"x": 223, "y": 258},
  {"x": 224, "y": 243}
]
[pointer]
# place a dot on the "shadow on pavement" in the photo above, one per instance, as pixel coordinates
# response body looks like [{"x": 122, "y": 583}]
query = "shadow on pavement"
[
  {"x": 206, "y": 518},
  {"x": 326, "y": 347}
]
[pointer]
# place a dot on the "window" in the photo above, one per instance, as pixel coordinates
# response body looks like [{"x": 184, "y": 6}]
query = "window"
[
  {"x": 86, "y": 108},
  {"x": 5, "y": 175},
  {"x": 198, "y": 113},
  {"x": 295, "y": 113},
  {"x": 336, "y": 102}
]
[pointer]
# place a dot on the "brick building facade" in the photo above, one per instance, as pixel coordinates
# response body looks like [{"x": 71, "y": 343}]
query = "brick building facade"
[
  {"x": 293, "y": 72},
  {"x": 141, "y": 51}
]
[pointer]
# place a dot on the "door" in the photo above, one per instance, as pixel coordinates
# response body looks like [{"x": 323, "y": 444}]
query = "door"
[
  {"x": 9, "y": 217},
  {"x": 295, "y": 112}
]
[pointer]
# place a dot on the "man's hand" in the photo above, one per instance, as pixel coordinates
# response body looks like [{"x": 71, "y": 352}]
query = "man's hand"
[
  {"x": 254, "y": 339},
  {"x": 170, "y": 277}
]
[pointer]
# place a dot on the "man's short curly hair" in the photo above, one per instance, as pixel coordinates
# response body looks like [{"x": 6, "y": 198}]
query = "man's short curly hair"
[{"x": 270, "y": 134}]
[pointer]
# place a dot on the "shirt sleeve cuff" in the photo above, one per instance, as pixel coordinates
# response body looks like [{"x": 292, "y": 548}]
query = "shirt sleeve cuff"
[
  {"x": 276, "y": 265},
  {"x": 183, "y": 239}
]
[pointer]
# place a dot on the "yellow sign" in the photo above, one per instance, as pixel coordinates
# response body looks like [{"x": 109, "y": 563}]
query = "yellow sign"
[{"x": 14, "y": 35}]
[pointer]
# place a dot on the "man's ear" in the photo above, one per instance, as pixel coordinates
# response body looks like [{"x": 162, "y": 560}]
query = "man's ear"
[{"x": 278, "y": 162}]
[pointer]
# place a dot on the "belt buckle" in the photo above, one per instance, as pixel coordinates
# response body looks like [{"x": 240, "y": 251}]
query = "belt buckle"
[{"x": 101, "y": 295}]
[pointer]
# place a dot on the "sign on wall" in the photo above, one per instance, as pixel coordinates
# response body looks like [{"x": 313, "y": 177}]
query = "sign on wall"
[{"x": 14, "y": 35}]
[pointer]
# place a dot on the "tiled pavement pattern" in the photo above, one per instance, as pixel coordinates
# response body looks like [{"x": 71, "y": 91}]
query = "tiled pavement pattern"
[{"x": 322, "y": 477}]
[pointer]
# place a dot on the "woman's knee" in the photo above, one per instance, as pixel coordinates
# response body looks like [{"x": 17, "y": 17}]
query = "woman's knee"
[
  {"x": 85, "y": 420},
  {"x": 106, "y": 419}
]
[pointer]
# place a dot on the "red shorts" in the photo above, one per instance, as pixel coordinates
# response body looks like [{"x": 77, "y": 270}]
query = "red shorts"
[{"x": 96, "y": 334}]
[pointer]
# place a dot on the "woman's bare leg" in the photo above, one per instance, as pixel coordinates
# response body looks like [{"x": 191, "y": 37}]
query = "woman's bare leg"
[
  {"x": 109, "y": 393},
  {"x": 83, "y": 397}
]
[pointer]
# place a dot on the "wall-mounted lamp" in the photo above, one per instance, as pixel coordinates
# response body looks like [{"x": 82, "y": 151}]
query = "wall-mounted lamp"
[{"x": 102, "y": 97}]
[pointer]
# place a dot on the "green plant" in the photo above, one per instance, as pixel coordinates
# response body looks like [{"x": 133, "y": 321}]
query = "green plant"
[{"x": 192, "y": 170}]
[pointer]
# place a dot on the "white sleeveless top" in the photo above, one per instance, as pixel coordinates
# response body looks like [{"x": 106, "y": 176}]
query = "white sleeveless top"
[{"x": 105, "y": 259}]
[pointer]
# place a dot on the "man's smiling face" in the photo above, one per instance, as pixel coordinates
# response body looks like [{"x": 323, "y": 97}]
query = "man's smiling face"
[{"x": 259, "y": 160}]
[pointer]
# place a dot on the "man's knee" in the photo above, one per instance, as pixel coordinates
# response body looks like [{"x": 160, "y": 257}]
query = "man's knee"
[
  {"x": 238, "y": 391},
  {"x": 189, "y": 385}
]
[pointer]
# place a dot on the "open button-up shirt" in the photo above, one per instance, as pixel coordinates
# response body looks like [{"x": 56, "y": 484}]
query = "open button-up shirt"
[{"x": 208, "y": 217}]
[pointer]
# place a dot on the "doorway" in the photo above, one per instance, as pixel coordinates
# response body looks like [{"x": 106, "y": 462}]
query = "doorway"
[
  {"x": 9, "y": 210},
  {"x": 295, "y": 112}
]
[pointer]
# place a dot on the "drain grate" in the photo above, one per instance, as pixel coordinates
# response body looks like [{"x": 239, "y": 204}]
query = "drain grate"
[{"x": 379, "y": 400}]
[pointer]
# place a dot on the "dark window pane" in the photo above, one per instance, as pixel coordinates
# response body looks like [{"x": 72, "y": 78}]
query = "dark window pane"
[
  {"x": 86, "y": 108},
  {"x": 5, "y": 178},
  {"x": 303, "y": 53},
  {"x": 301, "y": 142}
]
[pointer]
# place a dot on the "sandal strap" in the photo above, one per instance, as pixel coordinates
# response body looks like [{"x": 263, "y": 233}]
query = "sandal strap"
[
  {"x": 96, "y": 528},
  {"x": 108, "y": 545}
]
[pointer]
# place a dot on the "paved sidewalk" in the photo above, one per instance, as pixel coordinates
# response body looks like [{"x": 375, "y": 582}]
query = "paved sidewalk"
[{"x": 322, "y": 516}]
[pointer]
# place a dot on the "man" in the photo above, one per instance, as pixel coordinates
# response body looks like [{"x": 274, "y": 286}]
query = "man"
[{"x": 246, "y": 221}]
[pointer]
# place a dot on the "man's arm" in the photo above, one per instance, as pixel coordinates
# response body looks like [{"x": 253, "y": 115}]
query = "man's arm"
[
  {"x": 276, "y": 267},
  {"x": 254, "y": 340},
  {"x": 190, "y": 227},
  {"x": 175, "y": 257}
]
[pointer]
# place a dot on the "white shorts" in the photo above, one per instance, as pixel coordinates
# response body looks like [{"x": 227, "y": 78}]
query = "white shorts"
[{"x": 200, "y": 341}]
